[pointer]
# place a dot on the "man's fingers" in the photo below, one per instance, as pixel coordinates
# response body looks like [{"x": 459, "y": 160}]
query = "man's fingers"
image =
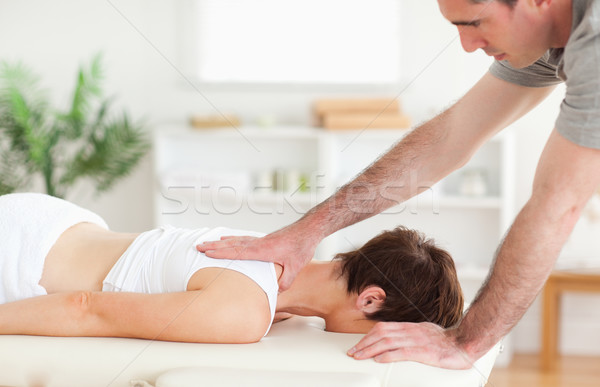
[
  {"x": 368, "y": 340},
  {"x": 226, "y": 253},
  {"x": 383, "y": 345},
  {"x": 379, "y": 331},
  {"x": 390, "y": 356},
  {"x": 238, "y": 238},
  {"x": 385, "y": 337},
  {"x": 401, "y": 354},
  {"x": 239, "y": 248},
  {"x": 224, "y": 243},
  {"x": 278, "y": 248},
  {"x": 214, "y": 245},
  {"x": 425, "y": 343},
  {"x": 394, "y": 348}
]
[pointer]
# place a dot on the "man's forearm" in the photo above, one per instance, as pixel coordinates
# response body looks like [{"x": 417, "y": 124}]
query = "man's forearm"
[
  {"x": 425, "y": 155},
  {"x": 565, "y": 180},
  {"x": 523, "y": 263},
  {"x": 411, "y": 166}
]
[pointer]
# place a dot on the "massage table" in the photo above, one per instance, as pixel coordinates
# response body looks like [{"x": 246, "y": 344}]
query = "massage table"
[{"x": 296, "y": 352}]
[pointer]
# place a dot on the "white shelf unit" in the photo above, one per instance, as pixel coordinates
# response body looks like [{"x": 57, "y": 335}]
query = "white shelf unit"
[
  {"x": 207, "y": 177},
  {"x": 210, "y": 178}
]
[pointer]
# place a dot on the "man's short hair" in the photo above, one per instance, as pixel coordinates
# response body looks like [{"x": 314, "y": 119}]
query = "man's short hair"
[{"x": 419, "y": 278}]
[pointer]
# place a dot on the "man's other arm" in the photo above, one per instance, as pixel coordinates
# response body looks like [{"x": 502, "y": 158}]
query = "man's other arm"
[{"x": 566, "y": 177}]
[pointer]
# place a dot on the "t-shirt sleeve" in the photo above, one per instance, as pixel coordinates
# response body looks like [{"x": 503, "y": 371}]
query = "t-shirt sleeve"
[
  {"x": 579, "y": 118},
  {"x": 539, "y": 74}
]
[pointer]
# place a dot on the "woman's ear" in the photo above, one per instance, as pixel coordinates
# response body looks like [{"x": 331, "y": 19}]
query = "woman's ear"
[{"x": 371, "y": 299}]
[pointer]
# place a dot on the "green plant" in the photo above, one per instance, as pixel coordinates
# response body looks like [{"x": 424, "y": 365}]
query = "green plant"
[{"x": 83, "y": 142}]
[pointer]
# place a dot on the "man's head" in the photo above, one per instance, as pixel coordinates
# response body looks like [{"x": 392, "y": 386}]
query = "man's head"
[
  {"x": 402, "y": 276},
  {"x": 519, "y": 31}
]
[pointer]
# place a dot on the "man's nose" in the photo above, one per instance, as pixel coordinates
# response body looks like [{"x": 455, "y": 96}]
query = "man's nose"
[{"x": 470, "y": 41}]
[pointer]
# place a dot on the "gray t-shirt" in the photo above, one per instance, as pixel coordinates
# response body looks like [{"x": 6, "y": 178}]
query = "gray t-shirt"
[{"x": 578, "y": 65}]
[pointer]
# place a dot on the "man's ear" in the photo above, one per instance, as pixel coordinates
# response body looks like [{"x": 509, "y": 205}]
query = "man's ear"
[{"x": 370, "y": 300}]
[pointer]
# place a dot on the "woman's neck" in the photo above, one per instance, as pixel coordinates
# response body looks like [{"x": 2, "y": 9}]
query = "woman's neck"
[{"x": 317, "y": 291}]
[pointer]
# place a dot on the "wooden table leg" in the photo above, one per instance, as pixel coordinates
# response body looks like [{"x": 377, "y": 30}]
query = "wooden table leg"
[{"x": 550, "y": 321}]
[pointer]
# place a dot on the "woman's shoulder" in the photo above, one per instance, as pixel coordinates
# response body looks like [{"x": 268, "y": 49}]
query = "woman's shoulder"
[{"x": 236, "y": 298}]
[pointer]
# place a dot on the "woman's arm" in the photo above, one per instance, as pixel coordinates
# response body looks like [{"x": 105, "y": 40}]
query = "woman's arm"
[{"x": 208, "y": 316}]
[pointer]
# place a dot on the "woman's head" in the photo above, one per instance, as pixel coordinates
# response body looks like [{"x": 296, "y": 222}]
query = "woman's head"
[{"x": 418, "y": 278}]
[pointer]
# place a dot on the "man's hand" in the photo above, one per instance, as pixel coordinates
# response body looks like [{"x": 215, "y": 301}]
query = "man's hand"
[
  {"x": 286, "y": 247},
  {"x": 425, "y": 343}
]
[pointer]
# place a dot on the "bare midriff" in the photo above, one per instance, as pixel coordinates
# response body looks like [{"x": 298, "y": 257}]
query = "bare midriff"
[{"x": 82, "y": 257}]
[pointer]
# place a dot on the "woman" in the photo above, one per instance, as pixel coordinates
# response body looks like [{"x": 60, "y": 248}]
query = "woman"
[{"x": 63, "y": 273}]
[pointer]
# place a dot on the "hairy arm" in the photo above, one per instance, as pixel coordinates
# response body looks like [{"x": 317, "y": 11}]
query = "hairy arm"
[
  {"x": 424, "y": 156},
  {"x": 565, "y": 179},
  {"x": 208, "y": 316}
]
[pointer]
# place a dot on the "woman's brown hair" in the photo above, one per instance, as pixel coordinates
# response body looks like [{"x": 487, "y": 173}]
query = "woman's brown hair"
[{"x": 419, "y": 278}]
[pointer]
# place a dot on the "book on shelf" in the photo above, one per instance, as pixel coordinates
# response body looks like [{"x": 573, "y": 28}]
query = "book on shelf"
[{"x": 360, "y": 113}]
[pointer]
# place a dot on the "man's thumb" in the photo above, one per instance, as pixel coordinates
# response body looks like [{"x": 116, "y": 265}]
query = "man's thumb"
[{"x": 285, "y": 281}]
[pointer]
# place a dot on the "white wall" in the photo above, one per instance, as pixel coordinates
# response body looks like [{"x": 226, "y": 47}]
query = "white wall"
[{"x": 139, "y": 39}]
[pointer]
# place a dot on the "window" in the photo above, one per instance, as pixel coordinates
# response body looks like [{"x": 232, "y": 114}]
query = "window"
[{"x": 335, "y": 42}]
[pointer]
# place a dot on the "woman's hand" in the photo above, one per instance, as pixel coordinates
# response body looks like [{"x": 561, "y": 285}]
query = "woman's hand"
[
  {"x": 425, "y": 343},
  {"x": 290, "y": 248}
]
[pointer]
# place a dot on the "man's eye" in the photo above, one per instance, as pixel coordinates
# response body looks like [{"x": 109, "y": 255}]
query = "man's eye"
[{"x": 474, "y": 23}]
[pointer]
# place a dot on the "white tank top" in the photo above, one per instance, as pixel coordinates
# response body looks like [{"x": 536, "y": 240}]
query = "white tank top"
[{"x": 163, "y": 261}]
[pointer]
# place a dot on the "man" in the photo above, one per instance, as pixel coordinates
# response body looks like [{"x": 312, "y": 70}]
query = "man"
[{"x": 536, "y": 44}]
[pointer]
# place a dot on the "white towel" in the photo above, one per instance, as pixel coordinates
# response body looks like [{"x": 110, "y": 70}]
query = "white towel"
[{"x": 30, "y": 224}]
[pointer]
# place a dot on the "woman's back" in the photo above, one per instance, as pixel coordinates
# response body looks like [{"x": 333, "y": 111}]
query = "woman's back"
[{"x": 82, "y": 257}]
